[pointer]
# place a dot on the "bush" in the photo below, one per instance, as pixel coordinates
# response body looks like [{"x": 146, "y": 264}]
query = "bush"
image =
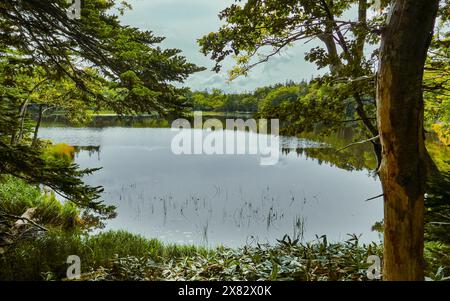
[
  {"x": 288, "y": 260},
  {"x": 60, "y": 151}
]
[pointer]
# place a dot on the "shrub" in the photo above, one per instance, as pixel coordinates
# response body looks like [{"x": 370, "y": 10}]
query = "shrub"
[{"x": 60, "y": 151}]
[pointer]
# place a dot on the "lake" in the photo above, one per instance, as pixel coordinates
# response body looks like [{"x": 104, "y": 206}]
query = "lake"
[{"x": 227, "y": 200}]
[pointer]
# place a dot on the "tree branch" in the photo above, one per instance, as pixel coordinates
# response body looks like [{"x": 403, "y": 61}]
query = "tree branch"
[
  {"x": 359, "y": 142},
  {"x": 12, "y": 216}
]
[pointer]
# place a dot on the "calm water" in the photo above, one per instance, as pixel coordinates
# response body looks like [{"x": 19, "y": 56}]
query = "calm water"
[{"x": 223, "y": 199}]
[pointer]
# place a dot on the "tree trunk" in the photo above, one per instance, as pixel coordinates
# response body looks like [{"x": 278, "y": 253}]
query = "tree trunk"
[
  {"x": 38, "y": 124},
  {"x": 362, "y": 34},
  {"x": 404, "y": 46},
  {"x": 23, "y": 114}
]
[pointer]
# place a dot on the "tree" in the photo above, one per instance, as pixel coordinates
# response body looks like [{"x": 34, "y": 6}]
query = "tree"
[
  {"x": 257, "y": 30},
  {"x": 82, "y": 56},
  {"x": 279, "y": 96},
  {"x": 127, "y": 56},
  {"x": 260, "y": 29},
  {"x": 303, "y": 107},
  {"x": 437, "y": 81},
  {"x": 400, "y": 112}
]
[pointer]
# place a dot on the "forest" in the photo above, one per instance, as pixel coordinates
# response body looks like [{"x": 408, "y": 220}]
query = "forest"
[{"x": 90, "y": 189}]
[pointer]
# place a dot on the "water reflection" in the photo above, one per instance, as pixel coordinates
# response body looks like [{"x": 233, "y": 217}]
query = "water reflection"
[
  {"x": 341, "y": 159},
  {"x": 225, "y": 199},
  {"x": 91, "y": 150}
]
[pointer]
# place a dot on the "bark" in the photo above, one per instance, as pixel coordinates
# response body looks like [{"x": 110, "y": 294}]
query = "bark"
[
  {"x": 361, "y": 36},
  {"x": 23, "y": 113},
  {"x": 404, "y": 46},
  {"x": 335, "y": 62},
  {"x": 38, "y": 124},
  {"x": 17, "y": 133}
]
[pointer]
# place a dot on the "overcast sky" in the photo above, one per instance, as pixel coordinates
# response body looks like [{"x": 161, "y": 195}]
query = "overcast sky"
[{"x": 182, "y": 22}]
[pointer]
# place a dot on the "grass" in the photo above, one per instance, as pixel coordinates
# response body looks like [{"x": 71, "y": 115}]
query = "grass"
[
  {"x": 16, "y": 197},
  {"x": 119, "y": 255},
  {"x": 44, "y": 255},
  {"x": 101, "y": 113},
  {"x": 124, "y": 256},
  {"x": 44, "y": 258}
]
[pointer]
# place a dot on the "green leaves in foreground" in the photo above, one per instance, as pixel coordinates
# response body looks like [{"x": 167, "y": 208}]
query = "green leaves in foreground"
[
  {"x": 288, "y": 260},
  {"x": 26, "y": 163},
  {"x": 118, "y": 256}
]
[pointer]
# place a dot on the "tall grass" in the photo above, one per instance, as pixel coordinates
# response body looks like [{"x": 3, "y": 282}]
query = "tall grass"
[
  {"x": 16, "y": 197},
  {"x": 47, "y": 255}
]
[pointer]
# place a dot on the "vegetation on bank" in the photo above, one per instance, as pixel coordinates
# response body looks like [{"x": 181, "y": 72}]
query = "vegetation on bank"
[
  {"x": 16, "y": 197},
  {"x": 119, "y": 255},
  {"x": 124, "y": 256}
]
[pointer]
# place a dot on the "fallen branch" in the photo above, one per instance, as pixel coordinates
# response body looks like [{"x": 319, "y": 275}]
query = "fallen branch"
[
  {"x": 359, "y": 142},
  {"x": 11, "y": 216}
]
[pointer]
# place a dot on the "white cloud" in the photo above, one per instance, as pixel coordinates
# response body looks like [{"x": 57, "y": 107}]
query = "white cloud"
[{"x": 182, "y": 22}]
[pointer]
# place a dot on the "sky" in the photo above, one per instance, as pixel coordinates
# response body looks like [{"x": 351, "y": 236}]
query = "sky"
[{"x": 182, "y": 22}]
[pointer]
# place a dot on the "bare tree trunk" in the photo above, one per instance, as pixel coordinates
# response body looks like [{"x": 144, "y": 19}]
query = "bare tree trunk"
[
  {"x": 23, "y": 114},
  {"x": 405, "y": 42},
  {"x": 14, "y": 135},
  {"x": 38, "y": 124}
]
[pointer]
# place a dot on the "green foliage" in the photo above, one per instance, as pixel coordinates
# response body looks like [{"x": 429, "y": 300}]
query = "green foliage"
[
  {"x": 299, "y": 106},
  {"x": 138, "y": 70},
  {"x": 277, "y": 98},
  {"x": 28, "y": 164},
  {"x": 437, "y": 260},
  {"x": 254, "y": 31},
  {"x": 60, "y": 151},
  {"x": 304, "y": 107},
  {"x": 288, "y": 260},
  {"x": 440, "y": 154},
  {"x": 46, "y": 256},
  {"x": 31, "y": 259},
  {"x": 123, "y": 256},
  {"x": 437, "y": 85},
  {"x": 221, "y": 102},
  {"x": 123, "y": 69},
  {"x": 16, "y": 197},
  {"x": 437, "y": 202}
]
